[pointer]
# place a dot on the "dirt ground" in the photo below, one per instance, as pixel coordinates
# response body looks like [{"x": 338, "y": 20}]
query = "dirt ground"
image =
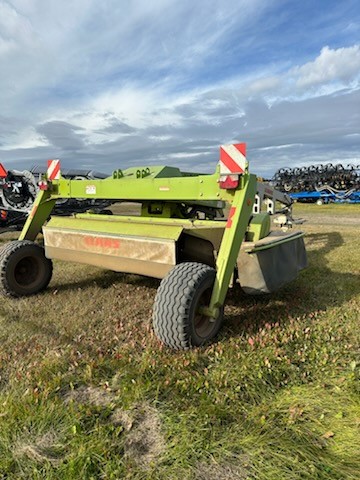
[{"x": 318, "y": 218}]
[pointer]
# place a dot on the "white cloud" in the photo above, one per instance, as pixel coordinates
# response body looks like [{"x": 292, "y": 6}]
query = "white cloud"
[
  {"x": 341, "y": 64},
  {"x": 29, "y": 138},
  {"x": 139, "y": 107},
  {"x": 15, "y": 30},
  {"x": 100, "y": 80},
  {"x": 89, "y": 41},
  {"x": 265, "y": 85},
  {"x": 329, "y": 73}
]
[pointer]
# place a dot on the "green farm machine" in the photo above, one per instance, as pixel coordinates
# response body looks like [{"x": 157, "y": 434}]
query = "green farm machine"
[{"x": 198, "y": 233}]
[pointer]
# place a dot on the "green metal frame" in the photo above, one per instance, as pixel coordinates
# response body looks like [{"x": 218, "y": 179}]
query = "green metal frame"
[{"x": 168, "y": 187}]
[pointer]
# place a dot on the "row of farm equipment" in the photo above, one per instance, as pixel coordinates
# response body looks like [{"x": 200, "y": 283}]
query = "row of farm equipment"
[{"x": 322, "y": 183}]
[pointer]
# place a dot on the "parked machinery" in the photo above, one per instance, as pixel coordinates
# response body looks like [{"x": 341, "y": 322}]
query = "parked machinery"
[
  {"x": 312, "y": 178},
  {"x": 320, "y": 183},
  {"x": 198, "y": 233},
  {"x": 18, "y": 190}
]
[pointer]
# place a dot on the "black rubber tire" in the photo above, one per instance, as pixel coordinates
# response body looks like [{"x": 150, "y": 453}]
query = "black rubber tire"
[
  {"x": 175, "y": 320},
  {"x": 24, "y": 269}
]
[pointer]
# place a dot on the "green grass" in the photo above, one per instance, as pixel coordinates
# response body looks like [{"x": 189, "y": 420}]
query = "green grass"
[{"x": 86, "y": 391}]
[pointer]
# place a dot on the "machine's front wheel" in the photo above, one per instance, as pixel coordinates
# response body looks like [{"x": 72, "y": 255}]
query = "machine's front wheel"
[
  {"x": 24, "y": 269},
  {"x": 177, "y": 321}
]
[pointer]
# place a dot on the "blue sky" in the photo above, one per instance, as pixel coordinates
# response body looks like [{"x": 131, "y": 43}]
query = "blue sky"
[{"x": 118, "y": 83}]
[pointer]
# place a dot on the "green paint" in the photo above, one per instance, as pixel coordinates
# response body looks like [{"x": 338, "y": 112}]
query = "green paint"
[
  {"x": 259, "y": 227},
  {"x": 274, "y": 243},
  {"x": 163, "y": 192},
  {"x": 231, "y": 242},
  {"x": 127, "y": 226},
  {"x": 40, "y": 212}
]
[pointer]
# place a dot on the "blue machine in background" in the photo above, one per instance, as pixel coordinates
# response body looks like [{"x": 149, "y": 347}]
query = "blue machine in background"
[
  {"x": 320, "y": 184},
  {"x": 327, "y": 195}
]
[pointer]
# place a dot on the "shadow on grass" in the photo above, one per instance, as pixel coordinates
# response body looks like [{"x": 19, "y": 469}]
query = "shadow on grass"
[
  {"x": 106, "y": 279},
  {"x": 317, "y": 289}
]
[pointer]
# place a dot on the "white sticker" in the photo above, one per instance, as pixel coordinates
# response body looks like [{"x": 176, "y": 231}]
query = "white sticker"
[
  {"x": 90, "y": 190},
  {"x": 164, "y": 189}
]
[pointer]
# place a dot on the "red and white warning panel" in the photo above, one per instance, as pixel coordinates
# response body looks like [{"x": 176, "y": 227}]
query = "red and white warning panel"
[
  {"x": 233, "y": 159},
  {"x": 53, "y": 170},
  {"x": 3, "y": 171}
]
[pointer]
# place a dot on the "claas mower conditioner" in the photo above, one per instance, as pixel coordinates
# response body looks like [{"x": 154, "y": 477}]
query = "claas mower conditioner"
[{"x": 198, "y": 233}]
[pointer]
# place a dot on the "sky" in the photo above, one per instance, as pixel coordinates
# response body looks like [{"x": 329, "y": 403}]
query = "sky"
[{"x": 118, "y": 83}]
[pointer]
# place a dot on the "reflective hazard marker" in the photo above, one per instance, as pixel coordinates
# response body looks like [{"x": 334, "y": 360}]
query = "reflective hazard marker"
[
  {"x": 3, "y": 171},
  {"x": 53, "y": 170},
  {"x": 233, "y": 159},
  {"x": 230, "y": 217}
]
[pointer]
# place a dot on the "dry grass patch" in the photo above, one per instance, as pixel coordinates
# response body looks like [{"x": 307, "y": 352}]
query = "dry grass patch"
[
  {"x": 96, "y": 396},
  {"x": 40, "y": 449},
  {"x": 145, "y": 442},
  {"x": 214, "y": 471}
]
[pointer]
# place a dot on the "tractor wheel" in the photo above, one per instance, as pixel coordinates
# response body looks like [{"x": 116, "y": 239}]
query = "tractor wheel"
[
  {"x": 24, "y": 269},
  {"x": 320, "y": 201},
  {"x": 176, "y": 318}
]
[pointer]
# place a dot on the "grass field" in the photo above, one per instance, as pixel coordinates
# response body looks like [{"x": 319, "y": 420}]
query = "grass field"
[{"x": 87, "y": 391}]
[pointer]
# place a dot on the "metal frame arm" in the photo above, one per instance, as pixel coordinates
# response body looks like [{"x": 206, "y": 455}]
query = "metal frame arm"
[
  {"x": 234, "y": 234},
  {"x": 40, "y": 212}
]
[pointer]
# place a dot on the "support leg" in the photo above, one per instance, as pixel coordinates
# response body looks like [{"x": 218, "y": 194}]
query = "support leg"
[
  {"x": 234, "y": 234},
  {"x": 40, "y": 212}
]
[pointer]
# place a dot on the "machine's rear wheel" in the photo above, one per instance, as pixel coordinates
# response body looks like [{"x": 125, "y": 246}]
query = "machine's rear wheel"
[
  {"x": 176, "y": 318},
  {"x": 24, "y": 269}
]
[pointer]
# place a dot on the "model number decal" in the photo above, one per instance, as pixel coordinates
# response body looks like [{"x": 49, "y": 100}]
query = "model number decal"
[{"x": 90, "y": 190}]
